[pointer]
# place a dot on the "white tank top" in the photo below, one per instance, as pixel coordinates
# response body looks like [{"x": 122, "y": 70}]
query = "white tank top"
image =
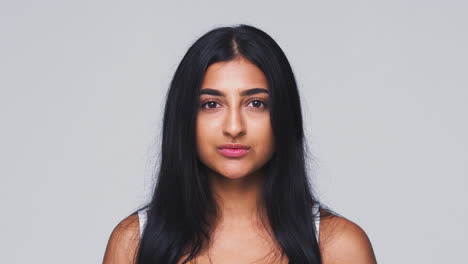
[{"x": 142, "y": 217}]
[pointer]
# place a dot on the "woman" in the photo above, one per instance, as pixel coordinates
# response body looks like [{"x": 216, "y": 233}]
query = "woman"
[{"x": 232, "y": 184}]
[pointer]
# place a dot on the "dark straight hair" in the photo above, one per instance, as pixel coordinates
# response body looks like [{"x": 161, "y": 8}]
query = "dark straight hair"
[{"x": 182, "y": 210}]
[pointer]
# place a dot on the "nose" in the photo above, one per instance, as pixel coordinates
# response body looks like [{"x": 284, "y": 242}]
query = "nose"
[{"x": 233, "y": 124}]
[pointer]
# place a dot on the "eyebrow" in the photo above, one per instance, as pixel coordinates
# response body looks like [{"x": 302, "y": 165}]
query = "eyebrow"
[{"x": 252, "y": 91}]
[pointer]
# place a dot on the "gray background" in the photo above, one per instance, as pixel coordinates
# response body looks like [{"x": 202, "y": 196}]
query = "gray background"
[{"x": 384, "y": 87}]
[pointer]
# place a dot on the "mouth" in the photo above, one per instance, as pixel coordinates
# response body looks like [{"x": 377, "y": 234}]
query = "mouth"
[{"x": 233, "y": 150}]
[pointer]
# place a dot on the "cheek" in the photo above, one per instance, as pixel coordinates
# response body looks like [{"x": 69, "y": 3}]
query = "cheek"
[
  {"x": 263, "y": 136},
  {"x": 205, "y": 132}
]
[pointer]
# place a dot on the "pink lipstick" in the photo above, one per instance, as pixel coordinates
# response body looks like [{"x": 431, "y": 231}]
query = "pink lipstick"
[{"x": 233, "y": 150}]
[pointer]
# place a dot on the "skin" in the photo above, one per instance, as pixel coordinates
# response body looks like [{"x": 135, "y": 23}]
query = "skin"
[
  {"x": 235, "y": 118},
  {"x": 239, "y": 236}
]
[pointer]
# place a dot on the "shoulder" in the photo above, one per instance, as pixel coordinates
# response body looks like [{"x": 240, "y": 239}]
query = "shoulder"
[
  {"x": 343, "y": 241},
  {"x": 123, "y": 242}
]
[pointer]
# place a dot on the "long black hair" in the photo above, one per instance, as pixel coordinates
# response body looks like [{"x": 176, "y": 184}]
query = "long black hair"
[{"x": 182, "y": 209}]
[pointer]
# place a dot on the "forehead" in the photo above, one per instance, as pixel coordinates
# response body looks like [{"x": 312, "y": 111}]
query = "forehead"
[{"x": 238, "y": 74}]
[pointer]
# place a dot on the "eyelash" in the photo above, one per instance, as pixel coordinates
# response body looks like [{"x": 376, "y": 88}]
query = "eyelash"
[{"x": 253, "y": 100}]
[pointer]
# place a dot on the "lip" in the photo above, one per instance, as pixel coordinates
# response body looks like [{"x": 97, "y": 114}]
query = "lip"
[{"x": 233, "y": 150}]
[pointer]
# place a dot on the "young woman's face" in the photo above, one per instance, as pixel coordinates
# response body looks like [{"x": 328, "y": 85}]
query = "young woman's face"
[{"x": 234, "y": 109}]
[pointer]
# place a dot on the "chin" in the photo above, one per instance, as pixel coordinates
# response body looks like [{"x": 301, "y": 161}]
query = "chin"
[
  {"x": 233, "y": 176},
  {"x": 236, "y": 173},
  {"x": 232, "y": 169}
]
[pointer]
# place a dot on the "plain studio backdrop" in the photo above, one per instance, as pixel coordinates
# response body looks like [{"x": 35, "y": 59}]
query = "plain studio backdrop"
[{"x": 384, "y": 89}]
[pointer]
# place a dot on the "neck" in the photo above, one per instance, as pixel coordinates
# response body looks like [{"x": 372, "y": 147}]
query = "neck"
[{"x": 238, "y": 199}]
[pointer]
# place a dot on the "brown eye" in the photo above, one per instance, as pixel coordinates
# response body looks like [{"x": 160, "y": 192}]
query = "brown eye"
[
  {"x": 210, "y": 104},
  {"x": 258, "y": 103}
]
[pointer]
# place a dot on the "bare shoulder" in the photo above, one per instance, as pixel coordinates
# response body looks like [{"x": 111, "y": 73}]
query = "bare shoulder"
[
  {"x": 343, "y": 241},
  {"x": 123, "y": 242}
]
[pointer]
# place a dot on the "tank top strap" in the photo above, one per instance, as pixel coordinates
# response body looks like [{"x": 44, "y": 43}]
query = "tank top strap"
[
  {"x": 316, "y": 214},
  {"x": 142, "y": 217}
]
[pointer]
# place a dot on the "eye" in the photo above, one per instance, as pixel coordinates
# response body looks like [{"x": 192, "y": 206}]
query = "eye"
[
  {"x": 257, "y": 103},
  {"x": 210, "y": 104}
]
